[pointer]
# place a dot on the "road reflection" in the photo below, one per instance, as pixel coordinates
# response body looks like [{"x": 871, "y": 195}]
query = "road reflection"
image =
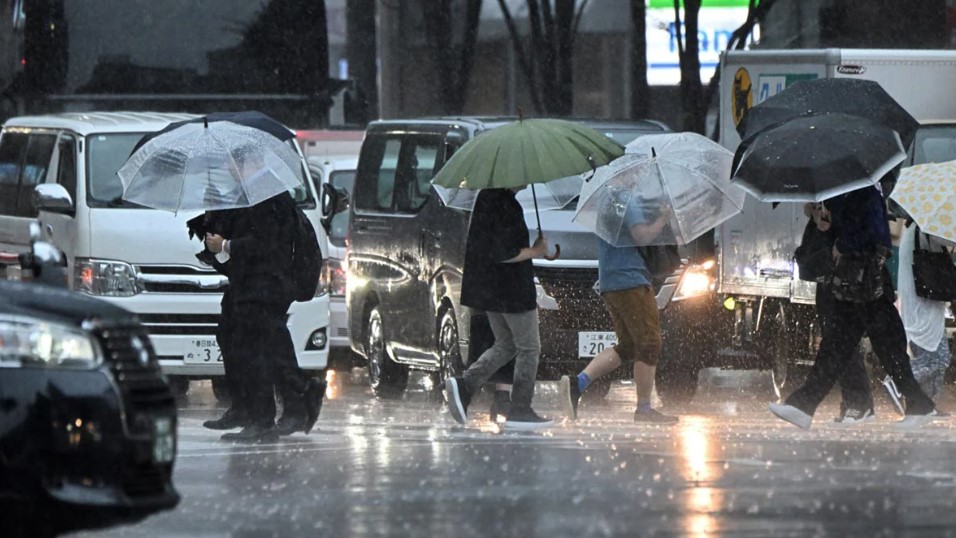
[{"x": 697, "y": 467}]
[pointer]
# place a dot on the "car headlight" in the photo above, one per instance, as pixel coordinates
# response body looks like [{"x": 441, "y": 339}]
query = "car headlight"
[
  {"x": 697, "y": 280},
  {"x": 105, "y": 278},
  {"x": 335, "y": 275},
  {"x": 32, "y": 341}
]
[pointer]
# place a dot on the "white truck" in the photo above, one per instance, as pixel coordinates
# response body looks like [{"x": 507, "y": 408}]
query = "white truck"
[{"x": 751, "y": 310}]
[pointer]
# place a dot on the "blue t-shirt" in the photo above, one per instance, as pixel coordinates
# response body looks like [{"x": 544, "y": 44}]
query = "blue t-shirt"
[{"x": 621, "y": 268}]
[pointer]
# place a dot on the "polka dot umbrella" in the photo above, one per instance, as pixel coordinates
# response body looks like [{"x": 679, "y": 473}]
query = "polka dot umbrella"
[{"x": 927, "y": 192}]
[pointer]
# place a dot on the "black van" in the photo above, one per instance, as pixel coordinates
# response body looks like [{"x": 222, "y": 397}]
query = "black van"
[{"x": 406, "y": 250}]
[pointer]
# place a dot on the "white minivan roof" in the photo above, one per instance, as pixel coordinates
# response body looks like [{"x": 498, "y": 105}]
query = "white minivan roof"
[{"x": 84, "y": 123}]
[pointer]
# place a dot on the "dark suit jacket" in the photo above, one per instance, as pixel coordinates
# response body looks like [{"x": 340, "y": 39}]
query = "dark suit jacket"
[{"x": 260, "y": 251}]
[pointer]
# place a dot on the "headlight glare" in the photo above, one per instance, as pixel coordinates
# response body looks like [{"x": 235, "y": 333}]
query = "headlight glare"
[
  {"x": 697, "y": 280},
  {"x": 27, "y": 341}
]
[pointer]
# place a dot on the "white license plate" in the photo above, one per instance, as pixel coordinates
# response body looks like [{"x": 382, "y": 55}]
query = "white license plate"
[
  {"x": 202, "y": 351},
  {"x": 594, "y": 342}
]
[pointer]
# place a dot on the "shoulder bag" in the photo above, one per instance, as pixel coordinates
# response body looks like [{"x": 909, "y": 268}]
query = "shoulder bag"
[{"x": 934, "y": 273}]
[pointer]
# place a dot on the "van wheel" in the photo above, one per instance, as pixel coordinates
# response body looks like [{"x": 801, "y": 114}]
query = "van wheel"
[
  {"x": 179, "y": 385},
  {"x": 676, "y": 380},
  {"x": 449, "y": 351},
  {"x": 386, "y": 377},
  {"x": 221, "y": 390}
]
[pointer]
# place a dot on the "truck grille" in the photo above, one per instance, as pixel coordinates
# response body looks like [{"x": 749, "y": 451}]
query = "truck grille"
[
  {"x": 580, "y": 307},
  {"x": 132, "y": 361},
  {"x": 179, "y": 279},
  {"x": 199, "y": 324}
]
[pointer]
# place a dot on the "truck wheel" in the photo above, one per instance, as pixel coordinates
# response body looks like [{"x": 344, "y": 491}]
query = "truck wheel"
[
  {"x": 449, "y": 351},
  {"x": 779, "y": 350},
  {"x": 386, "y": 377},
  {"x": 221, "y": 390},
  {"x": 676, "y": 379}
]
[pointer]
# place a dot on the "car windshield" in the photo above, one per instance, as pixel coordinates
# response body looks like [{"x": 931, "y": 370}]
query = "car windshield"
[
  {"x": 934, "y": 144},
  {"x": 107, "y": 154},
  {"x": 341, "y": 179}
]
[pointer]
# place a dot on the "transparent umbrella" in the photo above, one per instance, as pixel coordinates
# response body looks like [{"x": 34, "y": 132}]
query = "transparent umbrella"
[
  {"x": 684, "y": 176},
  {"x": 216, "y": 165}
]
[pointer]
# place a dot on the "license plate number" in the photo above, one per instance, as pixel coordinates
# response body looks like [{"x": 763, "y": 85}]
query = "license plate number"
[
  {"x": 593, "y": 342},
  {"x": 202, "y": 351},
  {"x": 164, "y": 440}
]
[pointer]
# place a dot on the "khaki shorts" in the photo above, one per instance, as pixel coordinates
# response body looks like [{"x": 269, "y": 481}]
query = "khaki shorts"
[{"x": 637, "y": 324}]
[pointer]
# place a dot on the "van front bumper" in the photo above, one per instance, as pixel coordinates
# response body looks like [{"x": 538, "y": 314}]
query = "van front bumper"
[{"x": 178, "y": 323}]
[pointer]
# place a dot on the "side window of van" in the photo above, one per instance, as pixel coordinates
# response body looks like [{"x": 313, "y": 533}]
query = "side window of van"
[
  {"x": 66, "y": 169},
  {"x": 35, "y": 165},
  {"x": 375, "y": 191},
  {"x": 417, "y": 170},
  {"x": 12, "y": 148}
]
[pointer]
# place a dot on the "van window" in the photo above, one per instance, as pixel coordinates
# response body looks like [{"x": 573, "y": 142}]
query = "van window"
[
  {"x": 341, "y": 179},
  {"x": 12, "y": 148},
  {"x": 401, "y": 169},
  {"x": 66, "y": 168},
  {"x": 39, "y": 153}
]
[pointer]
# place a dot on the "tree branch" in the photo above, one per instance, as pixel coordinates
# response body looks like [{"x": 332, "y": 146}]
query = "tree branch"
[{"x": 520, "y": 53}]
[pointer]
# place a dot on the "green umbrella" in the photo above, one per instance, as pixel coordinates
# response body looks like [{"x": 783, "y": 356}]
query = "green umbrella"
[{"x": 526, "y": 152}]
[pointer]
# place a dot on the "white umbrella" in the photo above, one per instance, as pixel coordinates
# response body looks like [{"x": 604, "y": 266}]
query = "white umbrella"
[
  {"x": 219, "y": 165},
  {"x": 683, "y": 173},
  {"x": 551, "y": 195}
]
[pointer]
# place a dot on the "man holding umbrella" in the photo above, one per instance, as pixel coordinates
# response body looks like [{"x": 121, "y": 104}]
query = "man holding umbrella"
[{"x": 498, "y": 278}]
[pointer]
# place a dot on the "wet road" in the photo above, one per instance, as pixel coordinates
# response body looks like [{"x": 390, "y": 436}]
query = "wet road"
[{"x": 405, "y": 468}]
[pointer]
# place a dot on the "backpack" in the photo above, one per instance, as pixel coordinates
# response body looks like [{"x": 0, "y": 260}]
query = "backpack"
[
  {"x": 661, "y": 260},
  {"x": 306, "y": 258}
]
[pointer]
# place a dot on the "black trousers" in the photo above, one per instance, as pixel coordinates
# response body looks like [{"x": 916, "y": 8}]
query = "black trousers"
[
  {"x": 259, "y": 358},
  {"x": 881, "y": 321},
  {"x": 855, "y": 382}
]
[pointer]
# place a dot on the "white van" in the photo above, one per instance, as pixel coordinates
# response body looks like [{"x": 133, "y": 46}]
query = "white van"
[
  {"x": 339, "y": 172},
  {"x": 61, "y": 170}
]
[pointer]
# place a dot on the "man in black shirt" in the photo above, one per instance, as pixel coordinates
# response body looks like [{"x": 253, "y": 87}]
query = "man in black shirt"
[{"x": 498, "y": 278}]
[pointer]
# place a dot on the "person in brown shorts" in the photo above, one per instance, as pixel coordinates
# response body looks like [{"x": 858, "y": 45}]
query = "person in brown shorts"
[{"x": 625, "y": 285}]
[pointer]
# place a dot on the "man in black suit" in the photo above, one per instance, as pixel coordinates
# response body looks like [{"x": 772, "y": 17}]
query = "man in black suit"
[{"x": 258, "y": 343}]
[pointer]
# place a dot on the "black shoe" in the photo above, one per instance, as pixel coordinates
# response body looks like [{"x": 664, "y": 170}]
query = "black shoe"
[
  {"x": 291, "y": 424},
  {"x": 458, "y": 399},
  {"x": 570, "y": 395},
  {"x": 500, "y": 405},
  {"x": 652, "y": 416},
  {"x": 230, "y": 420},
  {"x": 853, "y": 417},
  {"x": 314, "y": 392},
  {"x": 527, "y": 420},
  {"x": 253, "y": 433}
]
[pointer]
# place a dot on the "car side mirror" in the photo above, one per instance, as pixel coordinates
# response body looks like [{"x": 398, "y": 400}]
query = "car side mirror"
[
  {"x": 53, "y": 198},
  {"x": 334, "y": 201}
]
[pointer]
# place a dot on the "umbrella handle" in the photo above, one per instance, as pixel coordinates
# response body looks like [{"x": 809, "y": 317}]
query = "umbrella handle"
[{"x": 556, "y": 255}]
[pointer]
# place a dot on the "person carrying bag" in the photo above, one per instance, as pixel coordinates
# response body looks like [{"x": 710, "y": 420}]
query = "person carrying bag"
[{"x": 933, "y": 271}]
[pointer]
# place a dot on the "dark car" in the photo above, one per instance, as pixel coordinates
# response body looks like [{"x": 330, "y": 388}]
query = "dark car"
[
  {"x": 87, "y": 422},
  {"x": 406, "y": 250}
]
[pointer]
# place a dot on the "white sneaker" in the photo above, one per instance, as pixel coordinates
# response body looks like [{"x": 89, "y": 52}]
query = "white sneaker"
[
  {"x": 910, "y": 422},
  {"x": 895, "y": 395},
  {"x": 792, "y": 415},
  {"x": 854, "y": 417}
]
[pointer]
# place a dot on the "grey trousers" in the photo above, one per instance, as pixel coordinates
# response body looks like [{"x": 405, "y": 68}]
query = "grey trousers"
[{"x": 516, "y": 337}]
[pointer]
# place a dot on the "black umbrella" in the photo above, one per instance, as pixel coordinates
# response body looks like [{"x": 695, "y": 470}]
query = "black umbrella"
[
  {"x": 856, "y": 97},
  {"x": 248, "y": 118},
  {"x": 815, "y": 158}
]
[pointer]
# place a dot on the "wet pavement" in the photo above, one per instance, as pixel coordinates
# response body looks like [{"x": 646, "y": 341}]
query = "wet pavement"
[{"x": 404, "y": 468}]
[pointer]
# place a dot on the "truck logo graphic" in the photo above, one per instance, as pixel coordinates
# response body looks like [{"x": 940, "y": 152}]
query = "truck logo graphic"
[
  {"x": 741, "y": 95},
  {"x": 851, "y": 69}
]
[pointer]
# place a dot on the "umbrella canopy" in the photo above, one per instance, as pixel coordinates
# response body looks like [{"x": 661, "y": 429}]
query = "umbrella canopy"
[
  {"x": 856, "y": 97},
  {"x": 684, "y": 174},
  {"x": 927, "y": 192},
  {"x": 249, "y": 118},
  {"x": 220, "y": 165},
  {"x": 526, "y": 152},
  {"x": 815, "y": 158},
  {"x": 554, "y": 194}
]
